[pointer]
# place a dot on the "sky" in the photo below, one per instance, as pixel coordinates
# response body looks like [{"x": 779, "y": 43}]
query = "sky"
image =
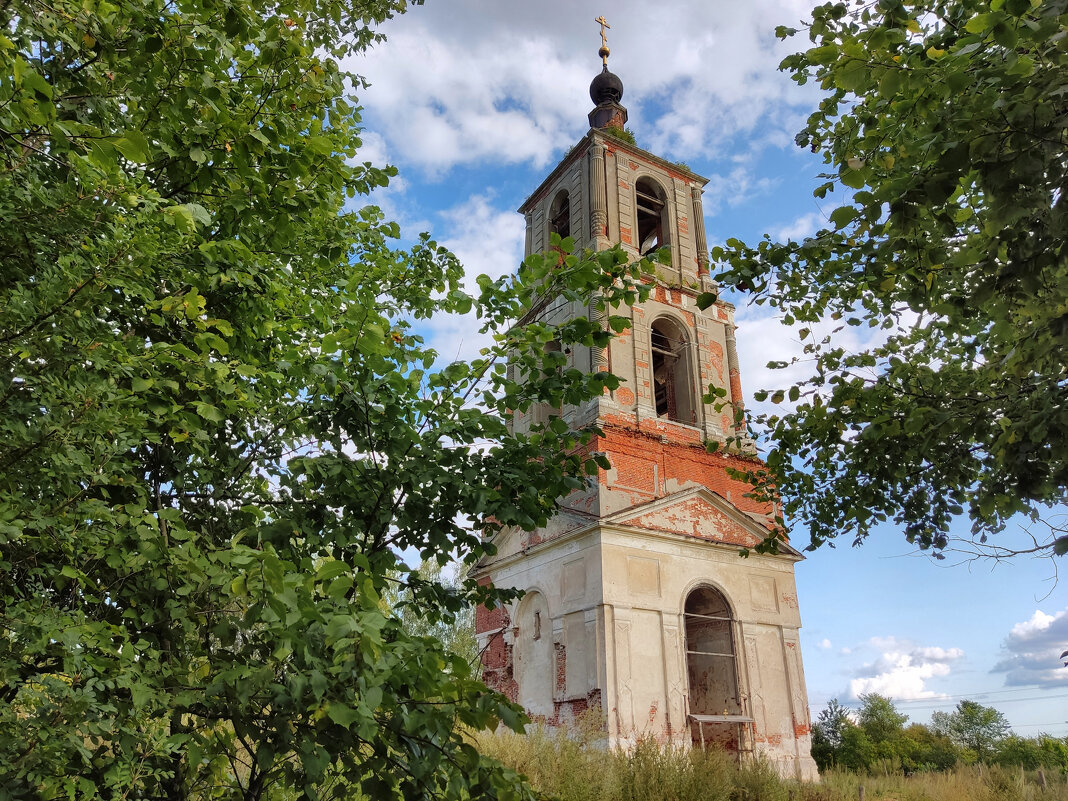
[{"x": 475, "y": 102}]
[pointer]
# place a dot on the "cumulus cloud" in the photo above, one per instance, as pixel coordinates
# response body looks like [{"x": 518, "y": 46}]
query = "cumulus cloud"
[
  {"x": 825, "y": 644},
  {"x": 902, "y": 669},
  {"x": 1032, "y": 649},
  {"x": 469, "y": 81},
  {"x": 487, "y": 240},
  {"x": 801, "y": 228},
  {"x": 736, "y": 186}
]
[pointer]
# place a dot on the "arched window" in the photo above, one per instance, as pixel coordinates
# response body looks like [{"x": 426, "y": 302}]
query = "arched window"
[
  {"x": 674, "y": 389},
  {"x": 560, "y": 215},
  {"x": 652, "y": 216},
  {"x": 710, "y": 660}
]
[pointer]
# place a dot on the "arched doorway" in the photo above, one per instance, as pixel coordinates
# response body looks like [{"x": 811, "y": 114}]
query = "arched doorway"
[{"x": 716, "y": 713}]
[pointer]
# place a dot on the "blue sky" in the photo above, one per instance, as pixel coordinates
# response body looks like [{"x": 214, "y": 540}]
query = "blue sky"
[{"x": 475, "y": 102}]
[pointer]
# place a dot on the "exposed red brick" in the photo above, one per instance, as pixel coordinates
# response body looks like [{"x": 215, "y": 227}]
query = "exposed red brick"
[
  {"x": 682, "y": 458},
  {"x": 560, "y": 652},
  {"x": 716, "y": 351}
]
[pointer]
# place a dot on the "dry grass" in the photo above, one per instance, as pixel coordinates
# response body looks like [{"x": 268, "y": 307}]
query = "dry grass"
[{"x": 575, "y": 768}]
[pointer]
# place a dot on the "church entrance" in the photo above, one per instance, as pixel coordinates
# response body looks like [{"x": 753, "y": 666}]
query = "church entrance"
[{"x": 716, "y": 713}]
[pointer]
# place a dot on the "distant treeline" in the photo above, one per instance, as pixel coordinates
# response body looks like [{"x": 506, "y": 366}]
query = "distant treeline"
[{"x": 875, "y": 738}]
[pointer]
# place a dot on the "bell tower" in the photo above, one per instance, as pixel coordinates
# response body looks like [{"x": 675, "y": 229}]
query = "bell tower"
[{"x": 637, "y": 605}]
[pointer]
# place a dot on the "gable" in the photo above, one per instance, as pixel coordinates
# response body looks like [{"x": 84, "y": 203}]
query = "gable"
[{"x": 696, "y": 514}]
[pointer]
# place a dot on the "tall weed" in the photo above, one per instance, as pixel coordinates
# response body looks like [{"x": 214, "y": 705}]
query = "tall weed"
[{"x": 578, "y": 767}]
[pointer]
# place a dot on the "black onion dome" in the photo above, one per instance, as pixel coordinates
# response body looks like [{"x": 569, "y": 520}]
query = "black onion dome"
[{"x": 606, "y": 88}]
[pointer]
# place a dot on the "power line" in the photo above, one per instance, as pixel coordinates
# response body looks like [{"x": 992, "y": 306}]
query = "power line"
[
  {"x": 969, "y": 696},
  {"x": 919, "y": 702}
]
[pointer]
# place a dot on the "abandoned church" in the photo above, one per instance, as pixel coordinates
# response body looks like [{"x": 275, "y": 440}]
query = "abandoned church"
[{"x": 636, "y": 600}]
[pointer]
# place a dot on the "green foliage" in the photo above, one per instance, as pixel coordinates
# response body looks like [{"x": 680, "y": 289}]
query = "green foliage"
[
  {"x": 622, "y": 134},
  {"x": 943, "y": 130},
  {"x": 1043, "y": 751},
  {"x": 878, "y": 742},
  {"x": 218, "y": 428},
  {"x": 579, "y": 768},
  {"x": 976, "y": 728},
  {"x": 455, "y": 631},
  {"x": 828, "y": 732},
  {"x": 926, "y": 750},
  {"x": 879, "y": 719}
]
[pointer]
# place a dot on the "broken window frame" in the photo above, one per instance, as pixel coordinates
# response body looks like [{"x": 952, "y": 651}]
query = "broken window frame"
[
  {"x": 673, "y": 385},
  {"x": 559, "y": 215},
  {"x": 650, "y": 213}
]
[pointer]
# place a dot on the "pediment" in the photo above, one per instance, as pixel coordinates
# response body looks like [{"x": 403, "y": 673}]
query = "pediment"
[{"x": 696, "y": 512}]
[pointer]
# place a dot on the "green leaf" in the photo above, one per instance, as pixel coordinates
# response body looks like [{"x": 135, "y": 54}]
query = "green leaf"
[
  {"x": 209, "y": 412},
  {"x": 319, "y": 145},
  {"x": 134, "y": 146},
  {"x": 331, "y": 569},
  {"x": 706, "y": 299},
  {"x": 852, "y": 178},
  {"x": 979, "y": 23},
  {"x": 342, "y": 714},
  {"x": 843, "y": 215},
  {"x": 32, "y": 80}
]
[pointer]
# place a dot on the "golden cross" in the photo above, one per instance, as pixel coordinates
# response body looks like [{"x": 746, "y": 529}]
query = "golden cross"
[{"x": 603, "y": 52}]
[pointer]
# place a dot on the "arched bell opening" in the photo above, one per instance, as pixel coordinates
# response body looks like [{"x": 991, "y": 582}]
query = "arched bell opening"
[
  {"x": 674, "y": 388},
  {"x": 560, "y": 214},
  {"x": 651, "y": 205}
]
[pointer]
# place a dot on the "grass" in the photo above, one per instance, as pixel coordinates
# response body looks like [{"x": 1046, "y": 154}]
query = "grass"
[{"x": 575, "y": 768}]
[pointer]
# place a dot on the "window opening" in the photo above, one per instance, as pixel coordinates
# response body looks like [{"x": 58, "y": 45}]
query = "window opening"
[
  {"x": 673, "y": 393},
  {"x": 560, "y": 215},
  {"x": 650, "y": 208},
  {"x": 537, "y": 625},
  {"x": 711, "y": 666}
]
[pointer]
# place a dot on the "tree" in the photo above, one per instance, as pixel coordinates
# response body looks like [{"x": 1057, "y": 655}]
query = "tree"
[
  {"x": 1031, "y": 753},
  {"x": 828, "y": 733},
  {"x": 943, "y": 129},
  {"x": 974, "y": 727},
  {"x": 927, "y": 750},
  {"x": 456, "y": 635},
  {"x": 879, "y": 718},
  {"x": 218, "y": 428}
]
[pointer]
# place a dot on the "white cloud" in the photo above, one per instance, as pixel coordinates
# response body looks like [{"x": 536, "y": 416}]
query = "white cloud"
[
  {"x": 801, "y": 228},
  {"x": 468, "y": 81},
  {"x": 825, "y": 644},
  {"x": 902, "y": 669},
  {"x": 1032, "y": 651},
  {"x": 1039, "y": 623},
  {"x": 737, "y": 186},
  {"x": 487, "y": 240}
]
